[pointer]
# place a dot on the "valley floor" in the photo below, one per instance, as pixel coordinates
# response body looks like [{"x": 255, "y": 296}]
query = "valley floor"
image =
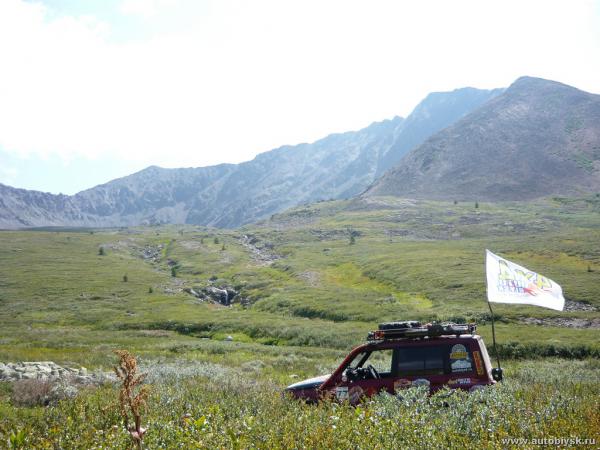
[{"x": 305, "y": 287}]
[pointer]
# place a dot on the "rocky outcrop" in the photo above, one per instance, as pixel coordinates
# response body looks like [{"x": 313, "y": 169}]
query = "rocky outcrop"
[
  {"x": 48, "y": 370},
  {"x": 261, "y": 252},
  {"x": 225, "y": 296}
]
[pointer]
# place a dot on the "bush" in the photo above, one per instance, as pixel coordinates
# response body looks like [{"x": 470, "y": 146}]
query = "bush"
[
  {"x": 125, "y": 279},
  {"x": 101, "y": 251},
  {"x": 31, "y": 393}
]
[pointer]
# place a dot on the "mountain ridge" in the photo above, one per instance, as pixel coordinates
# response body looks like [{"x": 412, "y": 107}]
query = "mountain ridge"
[
  {"x": 340, "y": 165},
  {"x": 538, "y": 138}
]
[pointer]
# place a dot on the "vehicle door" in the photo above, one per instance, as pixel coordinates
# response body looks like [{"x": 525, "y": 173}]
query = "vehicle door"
[{"x": 369, "y": 373}]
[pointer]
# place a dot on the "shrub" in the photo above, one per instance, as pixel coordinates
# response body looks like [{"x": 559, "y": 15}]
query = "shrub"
[
  {"x": 216, "y": 241},
  {"x": 125, "y": 279},
  {"x": 150, "y": 290},
  {"x": 173, "y": 271},
  {"x": 31, "y": 393},
  {"x": 101, "y": 251}
]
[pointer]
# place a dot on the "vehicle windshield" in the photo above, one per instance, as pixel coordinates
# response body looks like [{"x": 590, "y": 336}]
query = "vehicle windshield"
[
  {"x": 359, "y": 360},
  {"x": 380, "y": 360}
]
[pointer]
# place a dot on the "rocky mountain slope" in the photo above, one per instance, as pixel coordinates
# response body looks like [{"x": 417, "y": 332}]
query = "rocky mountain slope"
[
  {"x": 229, "y": 195},
  {"x": 538, "y": 138}
]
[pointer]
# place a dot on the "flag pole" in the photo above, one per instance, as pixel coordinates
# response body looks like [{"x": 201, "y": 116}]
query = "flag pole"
[{"x": 494, "y": 334}]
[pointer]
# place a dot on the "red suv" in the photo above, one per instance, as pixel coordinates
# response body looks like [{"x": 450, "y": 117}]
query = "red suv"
[{"x": 403, "y": 354}]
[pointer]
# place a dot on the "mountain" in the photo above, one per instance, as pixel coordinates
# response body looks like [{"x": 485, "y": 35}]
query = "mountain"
[
  {"x": 228, "y": 195},
  {"x": 538, "y": 138}
]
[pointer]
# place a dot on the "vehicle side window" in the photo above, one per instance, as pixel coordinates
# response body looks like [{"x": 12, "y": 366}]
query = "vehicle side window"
[
  {"x": 421, "y": 360},
  {"x": 381, "y": 360}
]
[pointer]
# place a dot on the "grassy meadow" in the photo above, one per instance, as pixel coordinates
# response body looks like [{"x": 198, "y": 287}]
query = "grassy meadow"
[{"x": 313, "y": 281}]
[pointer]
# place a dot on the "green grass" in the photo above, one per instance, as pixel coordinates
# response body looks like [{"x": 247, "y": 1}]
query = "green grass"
[
  {"x": 423, "y": 260},
  {"x": 214, "y": 407},
  {"x": 62, "y": 301}
]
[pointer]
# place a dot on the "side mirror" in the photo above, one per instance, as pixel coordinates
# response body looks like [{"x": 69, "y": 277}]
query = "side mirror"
[{"x": 497, "y": 374}]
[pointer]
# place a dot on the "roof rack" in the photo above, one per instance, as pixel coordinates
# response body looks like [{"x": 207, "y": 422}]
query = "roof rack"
[{"x": 412, "y": 329}]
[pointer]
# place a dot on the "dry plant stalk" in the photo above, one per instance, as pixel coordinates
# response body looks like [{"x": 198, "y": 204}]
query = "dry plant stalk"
[{"x": 130, "y": 401}]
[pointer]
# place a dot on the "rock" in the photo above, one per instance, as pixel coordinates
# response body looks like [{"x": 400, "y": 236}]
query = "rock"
[
  {"x": 224, "y": 296},
  {"x": 62, "y": 390},
  {"x": 229, "y": 338},
  {"x": 578, "y": 306},
  {"x": 48, "y": 370},
  {"x": 293, "y": 376}
]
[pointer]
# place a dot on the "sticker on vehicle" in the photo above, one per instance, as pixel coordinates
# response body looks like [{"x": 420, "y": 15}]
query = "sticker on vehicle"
[
  {"x": 460, "y": 381},
  {"x": 478, "y": 362},
  {"x": 421, "y": 382},
  {"x": 461, "y": 365},
  {"x": 341, "y": 393},
  {"x": 458, "y": 351},
  {"x": 402, "y": 383}
]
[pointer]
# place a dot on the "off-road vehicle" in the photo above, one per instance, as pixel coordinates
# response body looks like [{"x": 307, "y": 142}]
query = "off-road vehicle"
[{"x": 403, "y": 354}]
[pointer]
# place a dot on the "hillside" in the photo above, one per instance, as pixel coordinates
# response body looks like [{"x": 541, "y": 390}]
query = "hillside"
[
  {"x": 304, "y": 296},
  {"x": 229, "y": 195},
  {"x": 538, "y": 138},
  {"x": 298, "y": 279}
]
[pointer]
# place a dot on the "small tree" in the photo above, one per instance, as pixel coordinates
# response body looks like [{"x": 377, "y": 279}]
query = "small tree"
[
  {"x": 150, "y": 290},
  {"x": 223, "y": 248},
  {"x": 352, "y": 235},
  {"x": 173, "y": 271},
  {"x": 132, "y": 396},
  {"x": 216, "y": 240},
  {"x": 476, "y": 205},
  {"x": 101, "y": 251},
  {"x": 125, "y": 279}
]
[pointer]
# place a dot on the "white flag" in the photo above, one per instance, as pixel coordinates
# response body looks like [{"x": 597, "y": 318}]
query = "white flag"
[{"x": 508, "y": 282}]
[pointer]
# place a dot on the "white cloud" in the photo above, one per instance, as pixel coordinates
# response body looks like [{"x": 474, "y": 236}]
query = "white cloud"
[
  {"x": 146, "y": 8},
  {"x": 8, "y": 175},
  {"x": 248, "y": 76}
]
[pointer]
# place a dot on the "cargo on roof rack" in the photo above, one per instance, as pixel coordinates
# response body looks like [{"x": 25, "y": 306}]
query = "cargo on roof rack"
[{"x": 414, "y": 329}]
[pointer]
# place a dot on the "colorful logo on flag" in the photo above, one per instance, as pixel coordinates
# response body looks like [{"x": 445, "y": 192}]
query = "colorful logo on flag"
[{"x": 508, "y": 282}]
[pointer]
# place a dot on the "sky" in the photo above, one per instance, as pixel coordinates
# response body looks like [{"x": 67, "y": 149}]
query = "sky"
[{"x": 92, "y": 90}]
